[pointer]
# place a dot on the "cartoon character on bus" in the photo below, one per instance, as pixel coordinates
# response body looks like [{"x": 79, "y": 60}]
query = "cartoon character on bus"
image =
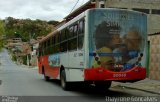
[{"x": 107, "y": 37}]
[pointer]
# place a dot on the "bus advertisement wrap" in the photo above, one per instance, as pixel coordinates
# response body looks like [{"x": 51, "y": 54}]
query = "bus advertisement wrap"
[{"x": 118, "y": 39}]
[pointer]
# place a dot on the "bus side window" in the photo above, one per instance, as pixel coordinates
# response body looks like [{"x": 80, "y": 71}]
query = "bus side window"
[
  {"x": 41, "y": 51},
  {"x": 81, "y": 33},
  {"x": 63, "y": 45},
  {"x": 53, "y": 42},
  {"x": 75, "y": 29},
  {"x": 51, "y": 45},
  {"x": 45, "y": 48},
  {"x": 57, "y": 44},
  {"x": 72, "y": 44},
  {"x": 70, "y": 32},
  {"x": 72, "y": 41},
  {"x": 48, "y": 46},
  {"x": 81, "y": 26},
  {"x": 64, "y": 35}
]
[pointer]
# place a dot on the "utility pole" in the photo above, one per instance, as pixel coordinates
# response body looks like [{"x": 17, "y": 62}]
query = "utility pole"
[{"x": 29, "y": 56}]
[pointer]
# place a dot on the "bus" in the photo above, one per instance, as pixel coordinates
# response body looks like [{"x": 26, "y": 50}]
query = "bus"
[{"x": 97, "y": 47}]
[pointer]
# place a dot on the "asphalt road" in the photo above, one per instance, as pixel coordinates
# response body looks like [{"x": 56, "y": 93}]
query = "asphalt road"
[{"x": 18, "y": 80}]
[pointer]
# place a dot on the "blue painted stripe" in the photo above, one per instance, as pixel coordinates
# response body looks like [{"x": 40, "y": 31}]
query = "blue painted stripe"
[{"x": 106, "y": 54}]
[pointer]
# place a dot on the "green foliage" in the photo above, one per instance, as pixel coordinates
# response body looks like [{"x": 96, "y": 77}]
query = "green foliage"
[
  {"x": 26, "y": 28},
  {"x": 2, "y": 31},
  {"x": 14, "y": 58},
  {"x": 1, "y": 45},
  {"x": 53, "y": 22},
  {"x": 24, "y": 60}
]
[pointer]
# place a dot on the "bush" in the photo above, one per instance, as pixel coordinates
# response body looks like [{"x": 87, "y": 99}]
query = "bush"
[
  {"x": 24, "y": 60},
  {"x": 14, "y": 58}
]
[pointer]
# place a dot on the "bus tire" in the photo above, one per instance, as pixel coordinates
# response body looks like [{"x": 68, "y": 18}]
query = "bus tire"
[
  {"x": 46, "y": 78},
  {"x": 64, "y": 84},
  {"x": 103, "y": 84}
]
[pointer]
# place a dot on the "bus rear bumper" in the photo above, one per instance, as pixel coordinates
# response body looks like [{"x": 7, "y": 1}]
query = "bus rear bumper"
[{"x": 101, "y": 74}]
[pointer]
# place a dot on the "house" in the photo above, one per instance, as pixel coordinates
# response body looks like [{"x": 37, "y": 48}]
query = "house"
[{"x": 33, "y": 54}]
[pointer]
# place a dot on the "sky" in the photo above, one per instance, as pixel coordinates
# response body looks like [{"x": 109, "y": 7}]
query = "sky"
[{"x": 38, "y": 9}]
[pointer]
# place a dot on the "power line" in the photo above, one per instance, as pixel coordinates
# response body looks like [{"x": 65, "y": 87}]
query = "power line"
[{"x": 74, "y": 5}]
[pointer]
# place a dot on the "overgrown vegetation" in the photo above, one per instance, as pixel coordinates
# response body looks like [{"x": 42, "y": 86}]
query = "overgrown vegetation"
[
  {"x": 14, "y": 58},
  {"x": 26, "y": 28},
  {"x": 2, "y": 31}
]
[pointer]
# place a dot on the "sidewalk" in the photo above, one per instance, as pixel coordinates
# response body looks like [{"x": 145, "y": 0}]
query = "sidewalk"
[
  {"x": 147, "y": 85},
  {"x": 31, "y": 67}
]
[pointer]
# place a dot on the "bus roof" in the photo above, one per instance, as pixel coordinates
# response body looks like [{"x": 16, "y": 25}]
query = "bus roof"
[{"x": 81, "y": 16}]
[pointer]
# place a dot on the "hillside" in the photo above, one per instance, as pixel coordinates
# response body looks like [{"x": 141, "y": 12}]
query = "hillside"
[{"x": 27, "y": 28}]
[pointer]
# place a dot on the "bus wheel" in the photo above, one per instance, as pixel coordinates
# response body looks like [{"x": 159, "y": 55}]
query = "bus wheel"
[
  {"x": 47, "y": 78},
  {"x": 64, "y": 84},
  {"x": 103, "y": 84}
]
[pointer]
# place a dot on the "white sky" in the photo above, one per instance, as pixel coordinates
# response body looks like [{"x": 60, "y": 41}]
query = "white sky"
[{"x": 37, "y": 9}]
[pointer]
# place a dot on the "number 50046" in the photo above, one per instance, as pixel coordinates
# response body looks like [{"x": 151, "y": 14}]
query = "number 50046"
[{"x": 119, "y": 75}]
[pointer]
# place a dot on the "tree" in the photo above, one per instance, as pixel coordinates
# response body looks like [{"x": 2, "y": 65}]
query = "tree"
[
  {"x": 26, "y": 28},
  {"x": 9, "y": 27},
  {"x": 2, "y": 31},
  {"x": 53, "y": 22}
]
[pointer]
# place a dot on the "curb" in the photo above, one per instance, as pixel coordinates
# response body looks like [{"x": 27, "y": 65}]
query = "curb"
[{"x": 140, "y": 89}]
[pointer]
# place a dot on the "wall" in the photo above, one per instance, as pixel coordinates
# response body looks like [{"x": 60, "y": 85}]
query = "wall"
[
  {"x": 154, "y": 66},
  {"x": 153, "y": 25}
]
